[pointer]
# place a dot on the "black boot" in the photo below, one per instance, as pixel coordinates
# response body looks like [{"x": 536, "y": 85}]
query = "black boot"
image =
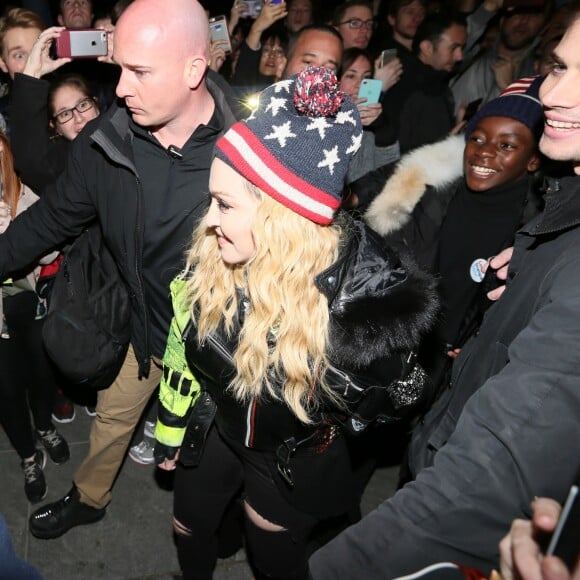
[
  {"x": 34, "y": 482},
  {"x": 55, "y": 519}
]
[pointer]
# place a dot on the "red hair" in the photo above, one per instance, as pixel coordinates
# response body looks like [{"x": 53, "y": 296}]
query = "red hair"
[{"x": 11, "y": 184}]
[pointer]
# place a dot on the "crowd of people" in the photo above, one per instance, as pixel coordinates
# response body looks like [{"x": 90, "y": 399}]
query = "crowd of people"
[{"x": 312, "y": 272}]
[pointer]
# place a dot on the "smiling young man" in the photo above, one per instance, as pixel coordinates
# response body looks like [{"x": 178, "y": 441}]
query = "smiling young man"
[
  {"x": 141, "y": 169},
  {"x": 507, "y": 429},
  {"x": 454, "y": 203}
]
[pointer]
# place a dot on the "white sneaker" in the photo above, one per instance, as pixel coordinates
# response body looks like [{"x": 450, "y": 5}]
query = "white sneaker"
[
  {"x": 149, "y": 429},
  {"x": 142, "y": 453}
]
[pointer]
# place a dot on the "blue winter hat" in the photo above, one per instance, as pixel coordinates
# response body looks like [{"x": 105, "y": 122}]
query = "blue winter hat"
[
  {"x": 297, "y": 144},
  {"x": 519, "y": 101}
]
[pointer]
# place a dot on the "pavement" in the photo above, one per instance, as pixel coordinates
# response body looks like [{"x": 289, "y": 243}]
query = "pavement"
[{"x": 134, "y": 540}]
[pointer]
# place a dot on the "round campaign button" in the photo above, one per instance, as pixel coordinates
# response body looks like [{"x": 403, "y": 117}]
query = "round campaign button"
[{"x": 476, "y": 270}]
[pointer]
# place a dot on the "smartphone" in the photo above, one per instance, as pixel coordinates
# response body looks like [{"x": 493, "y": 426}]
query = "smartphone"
[
  {"x": 81, "y": 43},
  {"x": 471, "y": 109},
  {"x": 565, "y": 542},
  {"x": 370, "y": 89},
  {"x": 218, "y": 31},
  {"x": 387, "y": 56}
]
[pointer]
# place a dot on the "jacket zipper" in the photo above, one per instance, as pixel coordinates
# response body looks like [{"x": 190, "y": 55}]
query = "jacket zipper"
[
  {"x": 251, "y": 413},
  {"x": 138, "y": 272},
  {"x": 114, "y": 154},
  {"x": 348, "y": 383},
  {"x": 221, "y": 349}
]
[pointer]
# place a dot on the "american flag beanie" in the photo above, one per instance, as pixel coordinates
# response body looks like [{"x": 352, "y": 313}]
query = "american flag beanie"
[
  {"x": 297, "y": 144},
  {"x": 519, "y": 101}
]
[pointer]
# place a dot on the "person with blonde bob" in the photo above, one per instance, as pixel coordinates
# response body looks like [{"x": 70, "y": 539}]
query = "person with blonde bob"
[{"x": 298, "y": 329}]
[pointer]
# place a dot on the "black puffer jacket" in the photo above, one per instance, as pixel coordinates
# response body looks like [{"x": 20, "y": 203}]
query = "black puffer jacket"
[{"x": 379, "y": 310}]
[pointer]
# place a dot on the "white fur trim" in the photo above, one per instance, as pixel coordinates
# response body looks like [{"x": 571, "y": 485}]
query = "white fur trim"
[{"x": 437, "y": 165}]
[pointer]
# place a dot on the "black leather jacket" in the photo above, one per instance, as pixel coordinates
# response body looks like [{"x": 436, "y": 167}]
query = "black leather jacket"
[{"x": 379, "y": 308}]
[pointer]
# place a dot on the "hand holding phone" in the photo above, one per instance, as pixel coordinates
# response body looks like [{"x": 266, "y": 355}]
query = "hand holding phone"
[
  {"x": 387, "y": 56},
  {"x": 370, "y": 89},
  {"x": 565, "y": 542},
  {"x": 82, "y": 43},
  {"x": 218, "y": 32}
]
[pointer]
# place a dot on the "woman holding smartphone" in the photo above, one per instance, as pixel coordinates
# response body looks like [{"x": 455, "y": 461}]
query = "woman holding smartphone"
[
  {"x": 46, "y": 117},
  {"x": 379, "y": 145}
]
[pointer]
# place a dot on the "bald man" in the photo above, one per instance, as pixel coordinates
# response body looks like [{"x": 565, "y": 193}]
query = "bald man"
[{"x": 142, "y": 171}]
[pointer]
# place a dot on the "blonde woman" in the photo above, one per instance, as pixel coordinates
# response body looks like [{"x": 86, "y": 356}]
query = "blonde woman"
[{"x": 294, "y": 313}]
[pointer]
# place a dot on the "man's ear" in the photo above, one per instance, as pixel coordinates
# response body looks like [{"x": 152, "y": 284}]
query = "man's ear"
[
  {"x": 390, "y": 20},
  {"x": 3, "y": 66},
  {"x": 534, "y": 163},
  {"x": 426, "y": 49},
  {"x": 195, "y": 70},
  {"x": 59, "y": 20}
]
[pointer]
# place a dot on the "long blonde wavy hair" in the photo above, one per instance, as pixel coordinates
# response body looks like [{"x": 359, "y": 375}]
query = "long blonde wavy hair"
[{"x": 284, "y": 334}]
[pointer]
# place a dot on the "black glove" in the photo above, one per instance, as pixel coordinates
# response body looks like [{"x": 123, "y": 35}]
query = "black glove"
[{"x": 162, "y": 452}]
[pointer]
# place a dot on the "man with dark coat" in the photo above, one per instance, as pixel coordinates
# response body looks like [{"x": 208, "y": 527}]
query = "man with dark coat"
[
  {"x": 508, "y": 427},
  {"x": 427, "y": 114},
  {"x": 142, "y": 171}
]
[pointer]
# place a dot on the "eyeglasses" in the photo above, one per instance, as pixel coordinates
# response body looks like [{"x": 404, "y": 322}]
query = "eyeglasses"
[
  {"x": 357, "y": 23},
  {"x": 81, "y": 107},
  {"x": 277, "y": 52}
]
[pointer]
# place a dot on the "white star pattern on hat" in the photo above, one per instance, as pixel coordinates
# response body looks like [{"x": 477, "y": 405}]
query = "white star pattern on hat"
[
  {"x": 320, "y": 124},
  {"x": 275, "y": 105},
  {"x": 330, "y": 159},
  {"x": 281, "y": 132},
  {"x": 356, "y": 141},
  {"x": 283, "y": 85},
  {"x": 343, "y": 117}
]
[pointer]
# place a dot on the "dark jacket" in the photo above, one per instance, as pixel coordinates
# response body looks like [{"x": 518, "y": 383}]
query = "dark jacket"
[
  {"x": 427, "y": 114},
  {"x": 378, "y": 312},
  {"x": 413, "y": 204},
  {"x": 101, "y": 181},
  {"x": 39, "y": 157},
  {"x": 247, "y": 72},
  {"x": 418, "y": 109},
  {"x": 507, "y": 430}
]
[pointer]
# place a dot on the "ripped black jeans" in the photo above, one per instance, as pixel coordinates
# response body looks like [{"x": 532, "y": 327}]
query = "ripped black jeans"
[{"x": 206, "y": 494}]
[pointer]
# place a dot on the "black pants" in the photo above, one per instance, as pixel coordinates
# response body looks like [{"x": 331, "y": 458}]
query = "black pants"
[
  {"x": 26, "y": 375},
  {"x": 203, "y": 494}
]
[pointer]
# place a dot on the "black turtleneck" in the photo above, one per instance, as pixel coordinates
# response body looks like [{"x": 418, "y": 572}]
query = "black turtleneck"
[{"x": 477, "y": 225}]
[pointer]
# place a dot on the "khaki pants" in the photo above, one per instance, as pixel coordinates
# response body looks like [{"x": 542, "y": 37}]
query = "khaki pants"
[{"x": 118, "y": 411}]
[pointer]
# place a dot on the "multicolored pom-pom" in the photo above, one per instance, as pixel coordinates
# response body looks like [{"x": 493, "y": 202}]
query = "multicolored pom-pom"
[{"x": 316, "y": 93}]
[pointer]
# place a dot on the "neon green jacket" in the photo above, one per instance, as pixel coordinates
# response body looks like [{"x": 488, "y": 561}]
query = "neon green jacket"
[{"x": 178, "y": 390}]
